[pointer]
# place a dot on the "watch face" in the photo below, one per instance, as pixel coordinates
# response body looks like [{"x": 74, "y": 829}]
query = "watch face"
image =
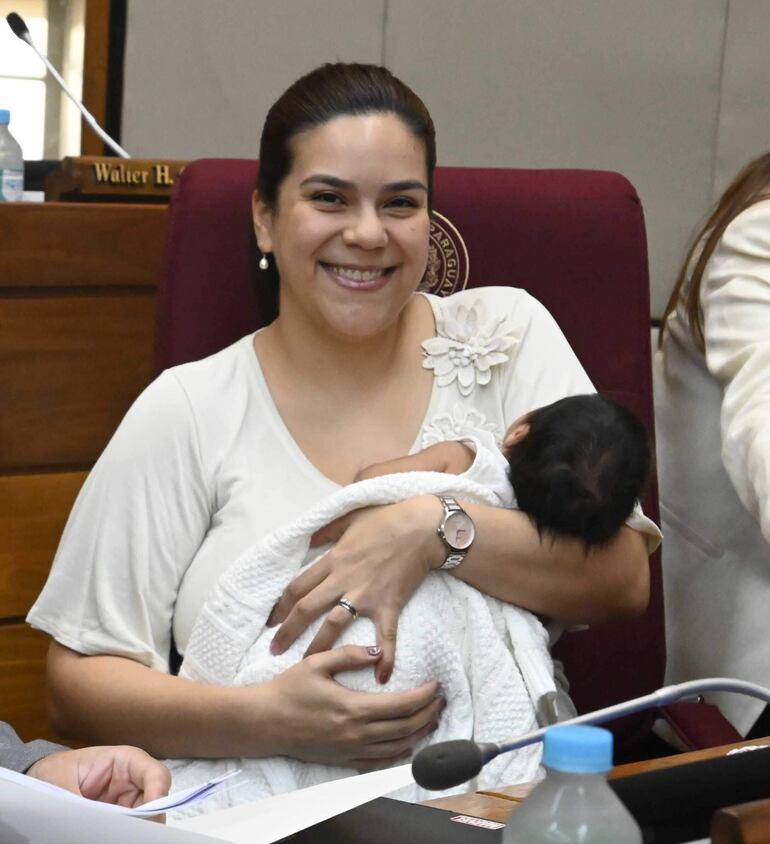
[{"x": 459, "y": 530}]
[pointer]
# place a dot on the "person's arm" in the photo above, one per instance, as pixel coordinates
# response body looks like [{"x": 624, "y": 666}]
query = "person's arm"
[
  {"x": 303, "y": 713},
  {"x": 383, "y": 554},
  {"x": 735, "y": 297},
  {"x": 18, "y": 755},
  {"x": 139, "y": 520},
  {"x": 452, "y": 456},
  {"x": 124, "y": 775},
  {"x": 554, "y": 578}
]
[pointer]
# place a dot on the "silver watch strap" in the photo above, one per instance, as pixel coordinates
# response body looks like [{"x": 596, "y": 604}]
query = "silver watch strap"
[{"x": 454, "y": 558}]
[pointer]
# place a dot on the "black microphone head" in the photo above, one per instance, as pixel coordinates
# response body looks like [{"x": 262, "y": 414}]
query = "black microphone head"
[
  {"x": 450, "y": 763},
  {"x": 16, "y": 22}
]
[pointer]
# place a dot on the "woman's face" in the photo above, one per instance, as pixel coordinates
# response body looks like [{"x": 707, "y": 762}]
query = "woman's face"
[{"x": 349, "y": 232}]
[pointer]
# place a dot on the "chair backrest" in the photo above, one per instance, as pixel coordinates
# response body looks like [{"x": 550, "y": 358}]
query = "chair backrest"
[{"x": 575, "y": 239}]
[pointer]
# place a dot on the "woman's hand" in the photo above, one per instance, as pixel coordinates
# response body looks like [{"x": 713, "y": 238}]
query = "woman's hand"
[
  {"x": 319, "y": 720},
  {"x": 303, "y": 712},
  {"x": 382, "y": 555},
  {"x": 126, "y": 775}
]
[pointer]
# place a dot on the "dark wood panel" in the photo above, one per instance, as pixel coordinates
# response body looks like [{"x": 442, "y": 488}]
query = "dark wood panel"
[
  {"x": 96, "y": 55},
  {"x": 56, "y": 244},
  {"x": 35, "y": 508},
  {"x": 747, "y": 823},
  {"x": 69, "y": 369},
  {"x": 630, "y": 769},
  {"x": 22, "y": 687}
]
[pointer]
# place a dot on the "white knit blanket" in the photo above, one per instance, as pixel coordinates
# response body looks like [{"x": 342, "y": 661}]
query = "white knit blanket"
[{"x": 490, "y": 657}]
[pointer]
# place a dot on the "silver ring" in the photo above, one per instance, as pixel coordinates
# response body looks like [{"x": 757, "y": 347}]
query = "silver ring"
[{"x": 345, "y": 604}]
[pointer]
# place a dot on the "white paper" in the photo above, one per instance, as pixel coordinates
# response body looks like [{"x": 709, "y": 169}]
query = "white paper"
[
  {"x": 184, "y": 797},
  {"x": 269, "y": 820},
  {"x": 154, "y": 807},
  {"x": 35, "y": 816}
]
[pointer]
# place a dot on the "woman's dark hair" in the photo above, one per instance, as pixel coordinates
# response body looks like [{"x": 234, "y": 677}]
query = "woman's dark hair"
[
  {"x": 580, "y": 468},
  {"x": 329, "y": 91},
  {"x": 751, "y": 185}
]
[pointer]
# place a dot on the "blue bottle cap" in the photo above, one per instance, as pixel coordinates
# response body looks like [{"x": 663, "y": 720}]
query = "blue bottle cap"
[
  {"x": 578, "y": 749},
  {"x": 5, "y": 116}
]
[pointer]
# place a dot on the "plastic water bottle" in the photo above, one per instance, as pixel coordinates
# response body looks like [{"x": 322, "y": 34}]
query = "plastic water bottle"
[
  {"x": 574, "y": 804},
  {"x": 11, "y": 162}
]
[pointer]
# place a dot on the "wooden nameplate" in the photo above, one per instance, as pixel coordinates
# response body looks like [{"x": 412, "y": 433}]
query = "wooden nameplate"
[{"x": 101, "y": 178}]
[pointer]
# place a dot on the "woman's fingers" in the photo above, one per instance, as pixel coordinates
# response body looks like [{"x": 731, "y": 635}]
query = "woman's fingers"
[
  {"x": 335, "y": 622},
  {"x": 319, "y": 719},
  {"x": 302, "y": 585},
  {"x": 392, "y": 706},
  {"x": 397, "y": 748},
  {"x": 412, "y": 726},
  {"x": 388, "y": 706},
  {"x": 302, "y": 614},
  {"x": 387, "y": 630},
  {"x": 339, "y": 618},
  {"x": 349, "y": 658},
  {"x": 399, "y": 736}
]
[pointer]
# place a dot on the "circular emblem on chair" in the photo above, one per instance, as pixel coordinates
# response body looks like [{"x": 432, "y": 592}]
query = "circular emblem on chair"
[{"x": 448, "y": 265}]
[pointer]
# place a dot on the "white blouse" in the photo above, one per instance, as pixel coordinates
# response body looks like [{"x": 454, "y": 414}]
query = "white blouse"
[
  {"x": 713, "y": 424},
  {"x": 203, "y": 466}
]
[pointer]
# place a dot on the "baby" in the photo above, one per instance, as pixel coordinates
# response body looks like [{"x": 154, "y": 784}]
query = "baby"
[{"x": 577, "y": 466}]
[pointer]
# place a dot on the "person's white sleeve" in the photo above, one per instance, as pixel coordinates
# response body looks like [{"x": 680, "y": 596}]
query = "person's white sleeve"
[
  {"x": 137, "y": 523},
  {"x": 542, "y": 367},
  {"x": 735, "y": 297},
  {"x": 652, "y": 534},
  {"x": 489, "y": 467}
]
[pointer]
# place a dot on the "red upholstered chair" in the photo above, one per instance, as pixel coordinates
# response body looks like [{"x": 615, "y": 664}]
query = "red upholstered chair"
[{"x": 574, "y": 238}]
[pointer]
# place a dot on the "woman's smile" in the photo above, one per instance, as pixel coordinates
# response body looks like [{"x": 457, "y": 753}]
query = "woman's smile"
[{"x": 358, "y": 278}]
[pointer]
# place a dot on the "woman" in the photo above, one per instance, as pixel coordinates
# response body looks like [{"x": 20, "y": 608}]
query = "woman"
[
  {"x": 356, "y": 369},
  {"x": 712, "y": 406}
]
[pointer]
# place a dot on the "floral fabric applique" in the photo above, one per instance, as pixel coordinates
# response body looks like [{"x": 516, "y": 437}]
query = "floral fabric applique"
[
  {"x": 461, "y": 422},
  {"x": 467, "y": 346}
]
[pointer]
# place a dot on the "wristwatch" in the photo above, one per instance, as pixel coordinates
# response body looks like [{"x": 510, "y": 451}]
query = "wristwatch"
[{"x": 457, "y": 531}]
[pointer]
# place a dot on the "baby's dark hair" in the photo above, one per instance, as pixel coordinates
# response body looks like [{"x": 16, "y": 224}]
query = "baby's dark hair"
[{"x": 581, "y": 467}]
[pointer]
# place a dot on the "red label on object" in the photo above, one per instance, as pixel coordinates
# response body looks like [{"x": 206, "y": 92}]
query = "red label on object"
[{"x": 467, "y": 819}]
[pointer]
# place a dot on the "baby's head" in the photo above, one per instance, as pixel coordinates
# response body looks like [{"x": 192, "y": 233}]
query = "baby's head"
[{"x": 578, "y": 466}]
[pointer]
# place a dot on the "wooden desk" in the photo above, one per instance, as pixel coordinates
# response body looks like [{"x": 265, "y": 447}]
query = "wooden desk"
[{"x": 77, "y": 324}]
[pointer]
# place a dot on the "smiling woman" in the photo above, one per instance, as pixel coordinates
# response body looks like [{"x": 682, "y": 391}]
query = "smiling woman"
[
  {"x": 217, "y": 454},
  {"x": 350, "y": 240}
]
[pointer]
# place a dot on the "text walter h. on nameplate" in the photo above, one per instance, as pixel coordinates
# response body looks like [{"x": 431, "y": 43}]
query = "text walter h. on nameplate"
[{"x": 97, "y": 178}]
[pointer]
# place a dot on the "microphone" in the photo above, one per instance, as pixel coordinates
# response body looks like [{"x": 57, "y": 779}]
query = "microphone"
[
  {"x": 452, "y": 763},
  {"x": 449, "y": 763},
  {"x": 20, "y": 30}
]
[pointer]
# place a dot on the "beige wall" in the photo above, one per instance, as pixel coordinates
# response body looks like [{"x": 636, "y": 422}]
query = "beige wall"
[{"x": 672, "y": 93}]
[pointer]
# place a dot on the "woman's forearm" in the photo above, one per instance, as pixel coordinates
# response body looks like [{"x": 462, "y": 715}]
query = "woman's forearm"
[
  {"x": 113, "y": 700},
  {"x": 554, "y": 578},
  {"x": 302, "y": 712}
]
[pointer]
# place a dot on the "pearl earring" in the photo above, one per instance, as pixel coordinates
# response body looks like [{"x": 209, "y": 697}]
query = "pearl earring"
[{"x": 263, "y": 265}]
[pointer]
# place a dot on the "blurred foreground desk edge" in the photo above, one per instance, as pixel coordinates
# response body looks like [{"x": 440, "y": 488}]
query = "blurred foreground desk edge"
[{"x": 384, "y": 820}]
